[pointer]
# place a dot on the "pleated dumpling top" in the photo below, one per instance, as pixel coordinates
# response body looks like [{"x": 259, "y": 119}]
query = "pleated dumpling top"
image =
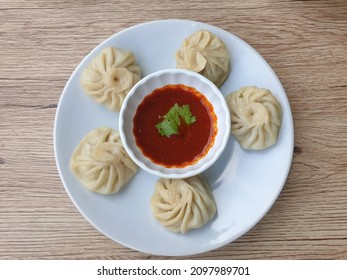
[
  {"x": 206, "y": 54},
  {"x": 110, "y": 76},
  {"x": 101, "y": 163},
  {"x": 183, "y": 204},
  {"x": 256, "y": 117}
]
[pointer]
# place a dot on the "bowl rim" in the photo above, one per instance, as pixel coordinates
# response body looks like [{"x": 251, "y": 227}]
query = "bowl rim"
[{"x": 201, "y": 165}]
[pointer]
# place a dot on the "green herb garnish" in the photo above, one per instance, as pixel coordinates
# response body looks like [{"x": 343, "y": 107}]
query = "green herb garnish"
[{"x": 172, "y": 120}]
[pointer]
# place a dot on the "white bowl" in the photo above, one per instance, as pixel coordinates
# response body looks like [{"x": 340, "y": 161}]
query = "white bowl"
[{"x": 158, "y": 80}]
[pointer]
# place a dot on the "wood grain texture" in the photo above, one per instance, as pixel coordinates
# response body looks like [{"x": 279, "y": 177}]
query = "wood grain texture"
[{"x": 41, "y": 42}]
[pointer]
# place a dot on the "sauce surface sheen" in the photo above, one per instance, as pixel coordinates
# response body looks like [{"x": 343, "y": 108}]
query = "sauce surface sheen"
[{"x": 192, "y": 142}]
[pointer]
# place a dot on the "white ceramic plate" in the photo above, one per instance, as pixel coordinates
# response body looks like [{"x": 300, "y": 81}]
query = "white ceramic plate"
[{"x": 245, "y": 184}]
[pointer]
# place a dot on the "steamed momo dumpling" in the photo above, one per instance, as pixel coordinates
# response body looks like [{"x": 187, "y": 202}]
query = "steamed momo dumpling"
[
  {"x": 110, "y": 76},
  {"x": 256, "y": 117},
  {"x": 183, "y": 204},
  {"x": 101, "y": 163},
  {"x": 205, "y": 53}
]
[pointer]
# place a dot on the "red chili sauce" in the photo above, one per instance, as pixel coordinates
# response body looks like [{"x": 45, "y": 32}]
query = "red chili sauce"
[{"x": 193, "y": 141}]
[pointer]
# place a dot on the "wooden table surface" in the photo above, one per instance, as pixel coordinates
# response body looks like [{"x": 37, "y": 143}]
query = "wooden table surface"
[{"x": 41, "y": 43}]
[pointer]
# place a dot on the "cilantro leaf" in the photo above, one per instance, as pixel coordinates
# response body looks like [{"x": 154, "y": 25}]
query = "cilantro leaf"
[
  {"x": 172, "y": 120},
  {"x": 185, "y": 113},
  {"x": 167, "y": 128},
  {"x": 169, "y": 125}
]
